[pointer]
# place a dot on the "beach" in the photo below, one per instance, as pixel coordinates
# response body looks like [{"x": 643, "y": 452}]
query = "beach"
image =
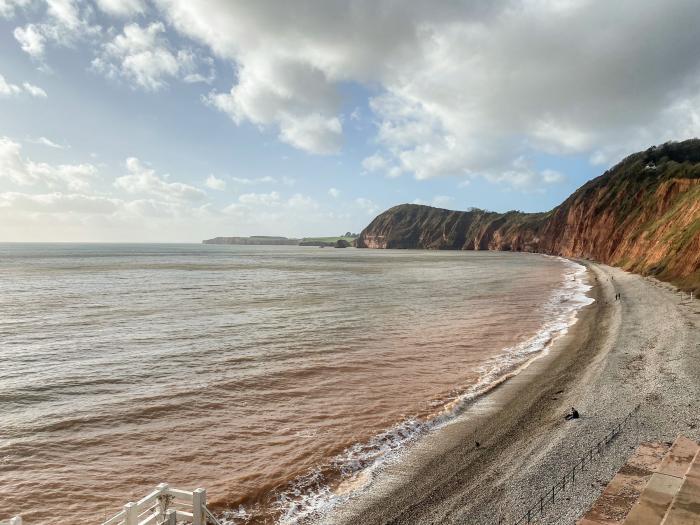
[{"x": 641, "y": 350}]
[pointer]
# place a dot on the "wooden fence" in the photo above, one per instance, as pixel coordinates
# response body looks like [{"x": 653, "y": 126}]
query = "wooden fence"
[{"x": 166, "y": 506}]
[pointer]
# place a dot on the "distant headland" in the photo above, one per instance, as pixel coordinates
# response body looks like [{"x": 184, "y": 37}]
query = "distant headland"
[{"x": 340, "y": 241}]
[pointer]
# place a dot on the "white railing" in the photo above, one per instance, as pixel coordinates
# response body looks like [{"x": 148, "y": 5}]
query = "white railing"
[
  {"x": 166, "y": 506},
  {"x": 17, "y": 520}
]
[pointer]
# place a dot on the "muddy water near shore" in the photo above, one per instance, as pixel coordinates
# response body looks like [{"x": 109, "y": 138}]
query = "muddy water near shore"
[{"x": 276, "y": 377}]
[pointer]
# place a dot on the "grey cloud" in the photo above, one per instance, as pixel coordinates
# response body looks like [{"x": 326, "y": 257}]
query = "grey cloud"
[
  {"x": 461, "y": 88},
  {"x": 464, "y": 87}
]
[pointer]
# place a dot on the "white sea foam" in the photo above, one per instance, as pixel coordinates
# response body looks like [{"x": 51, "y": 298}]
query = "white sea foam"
[{"x": 312, "y": 496}]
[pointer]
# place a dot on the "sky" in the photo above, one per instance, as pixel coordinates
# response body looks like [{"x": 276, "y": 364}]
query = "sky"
[{"x": 180, "y": 120}]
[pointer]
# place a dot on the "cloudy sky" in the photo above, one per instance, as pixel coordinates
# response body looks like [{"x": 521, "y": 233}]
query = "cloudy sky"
[{"x": 177, "y": 120}]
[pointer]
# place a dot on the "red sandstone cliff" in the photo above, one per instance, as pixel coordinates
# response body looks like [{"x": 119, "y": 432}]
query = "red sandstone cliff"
[{"x": 642, "y": 215}]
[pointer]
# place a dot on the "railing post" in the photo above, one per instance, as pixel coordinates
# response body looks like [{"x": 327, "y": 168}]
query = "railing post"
[
  {"x": 171, "y": 517},
  {"x": 131, "y": 514},
  {"x": 163, "y": 500},
  {"x": 199, "y": 501}
]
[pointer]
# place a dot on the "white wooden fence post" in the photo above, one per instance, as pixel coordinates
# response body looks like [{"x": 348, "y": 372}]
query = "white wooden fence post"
[
  {"x": 199, "y": 500},
  {"x": 171, "y": 517},
  {"x": 131, "y": 514},
  {"x": 162, "y": 489}
]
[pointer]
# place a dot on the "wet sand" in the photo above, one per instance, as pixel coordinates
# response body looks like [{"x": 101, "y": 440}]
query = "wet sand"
[{"x": 643, "y": 349}]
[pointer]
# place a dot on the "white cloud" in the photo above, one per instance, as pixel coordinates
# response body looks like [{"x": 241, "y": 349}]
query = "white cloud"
[
  {"x": 439, "y": 201},
  {"x": 260, "y": 199},
  {"x": 33, "y": 90},
  {"x": 522, "y": 176},
  {"x": 64, "y": 203},
  {"x": 48, "y": 142},
  {"x": 215, "y": 183},
  {"x": 95, "y": 217},
  {"x": 302, "y": 202},
  {"x": 367, "y": 205},
  {"x": 25, "y": 172},
  {"x": 57, "y": 202},
  {"x": 274, "y": 214},
  {"x": 463, "y": 88},
  {"x": 141, "y": 179},
  {"x": 375, "y": 163},
  {"x": 31, "y": 39},
  {"x": 313, "y": 133},
  {"x": 259, "y": 180},
  {"x": 143, "y": 56},
  {"x": 65, "y": 22},
  {"x": 459, "y": 88},
  {"x": 65, "y": 12},
  {"x": 334, "y": 192},
  {"x": 8, "y": 7},
  {"x": 290, "y": 95},
  {"x": 267, "y": 179},
  {"x": 442, "y": 201},
  {"x": 7, "y": 89},
  {"x": 122, "y": 8}
]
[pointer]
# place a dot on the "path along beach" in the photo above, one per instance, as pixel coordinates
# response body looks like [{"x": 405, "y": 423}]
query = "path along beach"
[{"x": 642, "y": 349}]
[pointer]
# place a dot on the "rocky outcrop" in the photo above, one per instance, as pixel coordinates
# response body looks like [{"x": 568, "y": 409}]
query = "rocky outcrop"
[{"x": 642, "y": 215}]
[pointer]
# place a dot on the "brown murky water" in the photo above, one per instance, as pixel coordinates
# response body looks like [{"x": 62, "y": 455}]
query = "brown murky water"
[{"x": 265, "y": 374}]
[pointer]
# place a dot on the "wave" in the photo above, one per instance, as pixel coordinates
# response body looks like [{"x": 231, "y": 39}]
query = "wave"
[{"x": 353, "y": 470}]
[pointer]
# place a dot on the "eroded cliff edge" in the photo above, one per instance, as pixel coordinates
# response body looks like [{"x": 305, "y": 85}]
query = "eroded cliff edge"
[{"x": 642, "y": 215}]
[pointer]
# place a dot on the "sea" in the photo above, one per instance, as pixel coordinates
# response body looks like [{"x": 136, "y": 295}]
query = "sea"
[{"x": 279, "y": 378}]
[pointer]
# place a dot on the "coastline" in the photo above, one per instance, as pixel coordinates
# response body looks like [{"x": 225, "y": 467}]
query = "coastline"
[
  {"x": 361, "y": 463},
  {"x": 596, "y": 366}
]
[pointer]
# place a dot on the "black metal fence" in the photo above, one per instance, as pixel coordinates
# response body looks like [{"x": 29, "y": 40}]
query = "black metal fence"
[{"x": 539, "y": 507}]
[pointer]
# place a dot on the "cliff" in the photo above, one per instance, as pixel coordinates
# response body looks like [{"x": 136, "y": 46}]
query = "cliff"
[{"x": 642, "y": 215}]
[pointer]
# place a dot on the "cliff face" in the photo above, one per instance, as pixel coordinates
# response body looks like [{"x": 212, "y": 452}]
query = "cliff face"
[{"x": 642, "y": 215}]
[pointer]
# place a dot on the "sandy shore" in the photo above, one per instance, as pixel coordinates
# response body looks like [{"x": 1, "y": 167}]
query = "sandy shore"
[{"x": 643, "y": 349}]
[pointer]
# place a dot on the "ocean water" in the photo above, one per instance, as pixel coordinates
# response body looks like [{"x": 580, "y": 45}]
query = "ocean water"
[{"x": 279, "y": 378}]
